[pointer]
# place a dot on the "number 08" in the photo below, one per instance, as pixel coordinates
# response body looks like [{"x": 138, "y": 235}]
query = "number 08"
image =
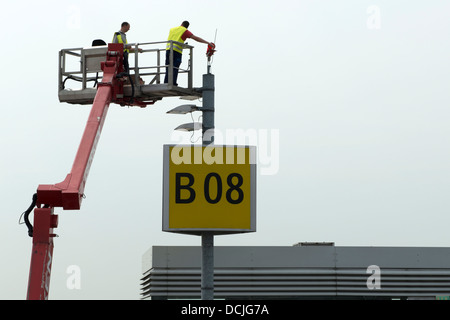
[{"x": 233, "y": 187}]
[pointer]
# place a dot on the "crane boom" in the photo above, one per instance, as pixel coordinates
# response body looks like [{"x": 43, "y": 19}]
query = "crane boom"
[{"x": 68, "y": 194}]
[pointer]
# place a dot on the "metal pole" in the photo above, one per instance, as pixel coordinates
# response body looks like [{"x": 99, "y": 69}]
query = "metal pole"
[
  {"x": 207, "y": 266},
  {"x": 208, "y": 109},
  {"x": 207, "y": 282}
]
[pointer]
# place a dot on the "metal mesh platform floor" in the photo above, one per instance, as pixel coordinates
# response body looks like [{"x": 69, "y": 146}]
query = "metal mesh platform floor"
[{"x": 143, "y": 92}]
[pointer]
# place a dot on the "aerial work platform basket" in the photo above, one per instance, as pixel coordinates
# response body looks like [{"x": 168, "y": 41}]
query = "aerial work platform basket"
[{"x": 80, "y": 72}]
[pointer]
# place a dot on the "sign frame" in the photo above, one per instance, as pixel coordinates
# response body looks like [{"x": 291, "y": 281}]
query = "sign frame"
[{"x": 218, "y": 230}]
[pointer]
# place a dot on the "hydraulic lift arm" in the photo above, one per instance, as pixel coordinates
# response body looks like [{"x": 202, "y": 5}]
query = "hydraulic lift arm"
[{"x": 68, "y": 194}]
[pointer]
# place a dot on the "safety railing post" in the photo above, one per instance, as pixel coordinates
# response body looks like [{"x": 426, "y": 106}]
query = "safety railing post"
[
  {"x": 190, "y": 68},
  {"x": 83, "y": 69},
  {"x": 60, "y": 69},
  {"x": 136, "y": 66},
  {"x": 158, "y": 69},
  {"x": 170, "y": 70}
]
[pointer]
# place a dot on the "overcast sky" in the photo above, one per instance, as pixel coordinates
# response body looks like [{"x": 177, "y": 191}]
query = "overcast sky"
[{"x": 349, "y": 99}]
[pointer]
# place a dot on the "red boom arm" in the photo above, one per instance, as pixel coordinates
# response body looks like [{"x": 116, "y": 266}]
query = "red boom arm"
[{"x": 69, "y": 193}]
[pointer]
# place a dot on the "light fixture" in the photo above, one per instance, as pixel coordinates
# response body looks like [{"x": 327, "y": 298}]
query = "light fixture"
[
  {"x": 190, "y": 98},
  {"x": 184, "y": 109},
  {"x": 191, "y": 126}
]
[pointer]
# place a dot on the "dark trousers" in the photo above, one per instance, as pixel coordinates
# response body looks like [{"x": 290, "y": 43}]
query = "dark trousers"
[
  {"x": 176, "y": 66},
  {"x": 126, "y": 65}
]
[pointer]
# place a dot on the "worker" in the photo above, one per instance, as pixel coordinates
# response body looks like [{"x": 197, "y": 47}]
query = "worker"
[
  {"x": 121, "y": 37},
  {"x": 179, "y": 34}
]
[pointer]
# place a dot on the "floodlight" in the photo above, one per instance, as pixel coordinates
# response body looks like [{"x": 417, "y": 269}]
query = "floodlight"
[
  {"x": 184, "y": 109},
  {"x": 191, "y": 126},
  {"x": 190, "y": 98}
]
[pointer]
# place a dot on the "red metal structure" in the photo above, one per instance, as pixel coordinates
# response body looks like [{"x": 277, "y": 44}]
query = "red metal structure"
[{"x": 68, "y": 194}]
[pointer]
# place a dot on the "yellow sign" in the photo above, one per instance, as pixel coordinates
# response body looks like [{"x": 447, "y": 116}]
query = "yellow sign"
[{"x": 209, "y": 188}]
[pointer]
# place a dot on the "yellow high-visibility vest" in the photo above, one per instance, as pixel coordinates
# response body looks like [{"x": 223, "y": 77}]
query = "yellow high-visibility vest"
[
  {"x": 175, "y": 35},
  {"x": 118, "y": 39}
]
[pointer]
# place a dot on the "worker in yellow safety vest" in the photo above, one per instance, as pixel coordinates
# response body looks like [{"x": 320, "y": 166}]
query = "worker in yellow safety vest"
[
  {"x": 178, "y": 34},
  {"x": 121, "y": 37}
]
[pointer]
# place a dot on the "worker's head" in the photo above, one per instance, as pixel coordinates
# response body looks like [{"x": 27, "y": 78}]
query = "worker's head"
[
  {"x": 185, "y": 24},
  {"x": 125, "y": 27}
]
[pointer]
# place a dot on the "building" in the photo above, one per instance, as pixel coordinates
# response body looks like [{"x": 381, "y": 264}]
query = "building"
[{"x": 302, "y": 271}]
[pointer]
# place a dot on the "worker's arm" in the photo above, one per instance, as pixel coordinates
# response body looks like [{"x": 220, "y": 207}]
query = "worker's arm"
[
  {"x": 118, "y": 39},
  {"x": 132, "y": 49},
  {"x": 198, "y": 39}
]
